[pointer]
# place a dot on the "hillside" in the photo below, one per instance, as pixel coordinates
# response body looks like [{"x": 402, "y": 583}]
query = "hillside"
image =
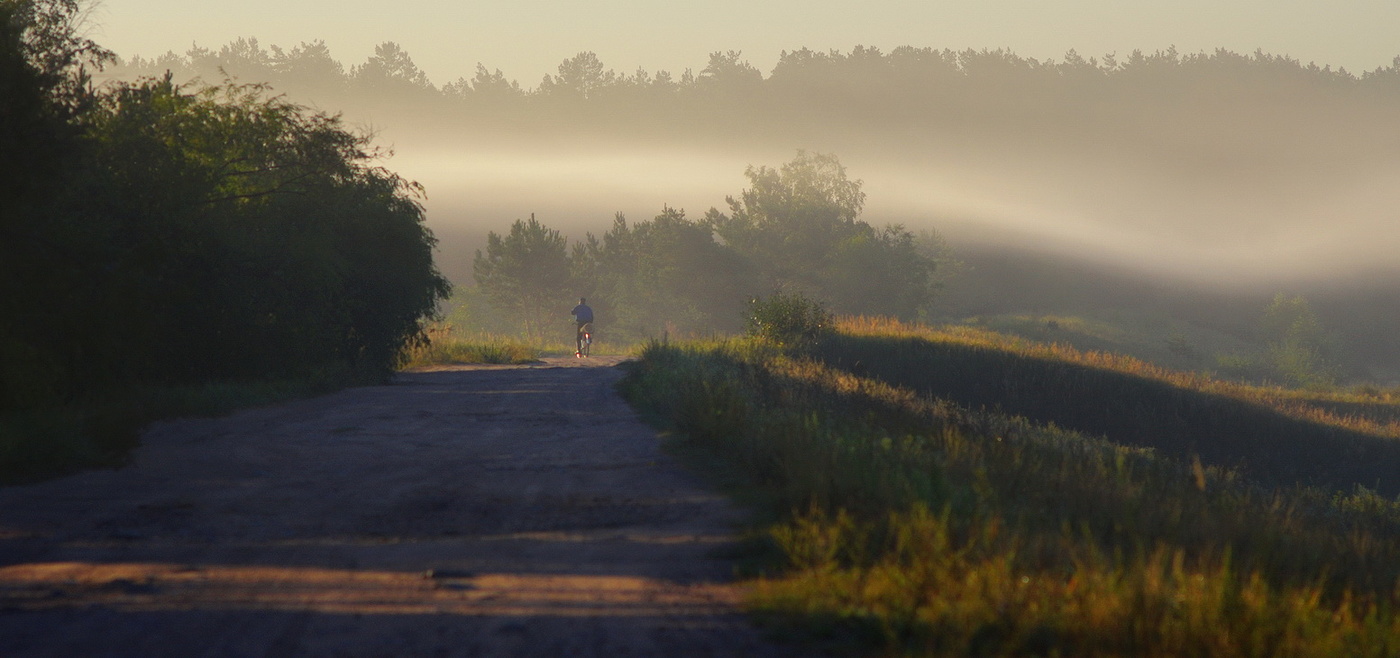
[{"x": 952, "y": 492}]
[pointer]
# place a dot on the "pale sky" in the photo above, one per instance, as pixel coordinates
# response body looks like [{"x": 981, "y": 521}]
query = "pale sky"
[{"x": 528, "y": 38}]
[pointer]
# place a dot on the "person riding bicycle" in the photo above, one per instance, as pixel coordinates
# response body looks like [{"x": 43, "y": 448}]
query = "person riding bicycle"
[{"x": 583, "y": 316}]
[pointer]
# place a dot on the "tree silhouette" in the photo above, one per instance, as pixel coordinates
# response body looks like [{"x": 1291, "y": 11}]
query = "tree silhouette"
[
  {"x": 169, "y": 236},
  {"x": 526, "y": 274},
  {"x": 580, "y": 77},
  {"x": 798, "y": 224},
  {"x": 791, "y": 218},
  {"x": 666, "y": 274},
  {"x": 391, "y": 69},
  {"x": 309, "y": 66}
]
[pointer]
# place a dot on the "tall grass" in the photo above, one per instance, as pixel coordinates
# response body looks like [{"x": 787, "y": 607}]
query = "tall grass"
[
  {"x": 449, "y": 351},
  {"x": 444, "y": 344},
  {"x": 448, "y": 345},
  {"x": 930, "y": 527}
]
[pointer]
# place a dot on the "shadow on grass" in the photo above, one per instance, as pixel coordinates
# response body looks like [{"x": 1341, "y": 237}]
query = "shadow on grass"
[{"x": 1265, "y": 443}]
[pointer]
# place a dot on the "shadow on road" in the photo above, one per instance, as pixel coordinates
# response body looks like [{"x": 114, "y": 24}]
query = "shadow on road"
[{"x": 468, "y": 511}]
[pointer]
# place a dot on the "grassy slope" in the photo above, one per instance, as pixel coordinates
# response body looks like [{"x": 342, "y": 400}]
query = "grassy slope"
[
  {"x": 1107, "y": 307},
  {"x": 1155, "y": 337},
  {"x": 1277, "y": 436},
  {"x": 925, "y": 525}
]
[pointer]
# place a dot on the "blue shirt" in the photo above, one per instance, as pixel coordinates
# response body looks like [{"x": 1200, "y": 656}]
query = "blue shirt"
[{"x": 582, "y": 314}]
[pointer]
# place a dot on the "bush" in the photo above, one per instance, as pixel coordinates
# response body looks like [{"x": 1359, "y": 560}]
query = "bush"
[{"x": 787, "y": 318}]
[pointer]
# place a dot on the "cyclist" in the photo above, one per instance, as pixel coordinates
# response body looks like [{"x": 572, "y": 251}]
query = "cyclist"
[{"x": 583, "y": 317}]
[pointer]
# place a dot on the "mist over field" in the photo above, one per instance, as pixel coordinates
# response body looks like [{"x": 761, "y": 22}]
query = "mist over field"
[
  {"x": 1225, "y": 176},
  {"x": 1222, "y": 168},
  {"x": 1208, "y": 218}
]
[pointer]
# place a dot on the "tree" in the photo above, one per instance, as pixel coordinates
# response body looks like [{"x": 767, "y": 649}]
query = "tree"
[
  {"x": 879, "y": 273},
  {"x": 666, "y": 274},
  {"x": 790, "y": 219},
  {"x": 251, "y": 237},
  {"x": 494, "y": 82},
  {"x": 244, "y": 59},
  {"x": 392, "y": 70},
  {"x": 309, "y": 67},
  {"x": 44, "y": 89},
  {"x": 169, "y": 236},
  {"x": 44, "y": 86},
  {"x": 798, "y": 224},
  {"x": 1300, "y": 350},
  {"x": 726, "y": 70},
  {"x": 580, "y": 76},
  {"x": 526, "y": 273}
]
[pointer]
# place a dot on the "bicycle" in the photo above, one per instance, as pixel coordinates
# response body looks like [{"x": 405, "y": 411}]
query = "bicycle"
[{"x": 584, "y": 340}]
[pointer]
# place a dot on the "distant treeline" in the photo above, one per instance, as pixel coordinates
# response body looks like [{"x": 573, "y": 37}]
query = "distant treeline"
[
  {"x": 864, "y": 89},
  {"x": 906, "y": 69},
  {"x": 156, "y": 235}
]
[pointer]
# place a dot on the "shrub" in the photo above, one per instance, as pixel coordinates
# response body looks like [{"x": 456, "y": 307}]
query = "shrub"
[{"x": 787, "y": 318}]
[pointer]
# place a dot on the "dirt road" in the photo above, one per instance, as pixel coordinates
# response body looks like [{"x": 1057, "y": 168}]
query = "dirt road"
[{"x": 474, "y": 511}]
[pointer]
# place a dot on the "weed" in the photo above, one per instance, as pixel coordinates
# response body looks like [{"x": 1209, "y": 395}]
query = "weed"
[{"x": 787, "y": 318}]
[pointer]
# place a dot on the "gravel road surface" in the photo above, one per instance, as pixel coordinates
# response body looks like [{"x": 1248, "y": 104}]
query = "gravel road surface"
[{"x": 463, "y": 511}]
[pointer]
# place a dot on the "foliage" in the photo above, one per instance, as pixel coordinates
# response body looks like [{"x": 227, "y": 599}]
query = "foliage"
[
  {"x": 787, "y": 318},
  {"x": 391, "y": 71},
  {"x": 934, "y": 528},
  {"x": 664, "y": 276},
  {"x": 178, "y": 237},
  {"x": 579, "y": 77},
  {"x": 526, "y": 274},
  {"x": 798, "y": 225},
  {"x": 47, "y": 36},
  {"x": 1299, "y": 347},
  {"x": 259, "y": 230}
]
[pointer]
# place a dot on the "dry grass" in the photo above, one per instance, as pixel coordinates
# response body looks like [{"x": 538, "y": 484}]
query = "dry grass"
[
  {"x": 444, "y": 346},
  {"x": 920, "y": 523}
]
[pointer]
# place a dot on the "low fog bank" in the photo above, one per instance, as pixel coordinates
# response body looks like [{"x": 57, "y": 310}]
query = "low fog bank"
[
  {"x": 1204, "y": 230},
  {"x": 1200, "y": 183},
  {"x": 1221, "y": 168},
  {"x": 1359, "y": 314},
  {"x": 1100, "y": 240}
]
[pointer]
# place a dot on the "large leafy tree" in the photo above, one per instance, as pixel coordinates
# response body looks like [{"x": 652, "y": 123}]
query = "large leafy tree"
[
  {"x": 526, "y": 274},
  {"x": 44, "y": 88},
  {"x": 800, "y": 225},
  {"x": 45, "y": 66},
  {"x": 263, "y": 234},
  {"x": 791, "y": 219},
  {"x": 187, "y": 236}
]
